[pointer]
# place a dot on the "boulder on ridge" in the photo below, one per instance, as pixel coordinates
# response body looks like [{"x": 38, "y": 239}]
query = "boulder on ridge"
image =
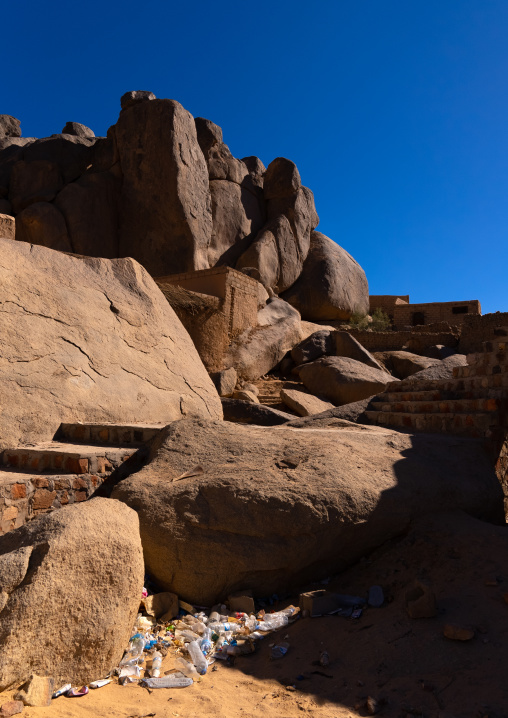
[
  {"x": 70, "y": 586},
  {"x": 88, "y": 339},
  {"x": 332, "y": 285},
  {"x": 277, "y": 507}
]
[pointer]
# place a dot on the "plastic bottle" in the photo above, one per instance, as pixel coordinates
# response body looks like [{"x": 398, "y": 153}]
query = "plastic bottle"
[
  {"x": 214, "y": 617},
  {"x": 187, "y": 634},
  {"x": 137, "y": 645},
  {"x": 156, "y": 664},
  {"x": 197, "y": 657},
  {"x": 279, "y": 650},
  {"x": 206, "y": 644},
  {"x": 174, "y": 680},
  {"x": 187, "y": 668},
  {"x": 272, "y": 621}
]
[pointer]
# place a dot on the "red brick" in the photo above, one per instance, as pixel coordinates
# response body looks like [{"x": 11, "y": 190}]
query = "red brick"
[
  {"x": 76, "y": 466},
  {"x": 64, "y": 498},
  {"x": 80, "y": 496},
  {"x": 103, "y": 465},
  {"x": 58, "y": 461},
  {"x": 62, "y": 484},
  {"x": 18, "y": 491},
  {"x": 94, "y": 480},
  {"x": 104, "y": 434}
]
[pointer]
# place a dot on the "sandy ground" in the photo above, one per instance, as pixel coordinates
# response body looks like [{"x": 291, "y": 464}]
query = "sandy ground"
[{"x": 405, "y": 664}]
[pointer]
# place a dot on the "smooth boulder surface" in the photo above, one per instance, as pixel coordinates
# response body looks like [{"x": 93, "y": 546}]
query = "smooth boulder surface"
[
  {"x": 337, "y": 416},
  {"x": 247, "y": 412},
  {"x": 331, "y": 286},
  {"x": 403, "y": 364},
  {"x": 165, "y": 198},
  {"x": 277, "y": 507},
  {"x": 9, "y": 126},
  {"x": 439, "y": 371},
  {"x": 88, "y": 339},
  {"x": 345, "y": 345},
  {"x": 304, "y": 404},
  {"x": 70, "y": 590},
  {"x": 313, "y": 347},
  {"x": 258, "y": 350},
  {"x": 42, "y": 223},
  {"x": 343, "y": 380}
]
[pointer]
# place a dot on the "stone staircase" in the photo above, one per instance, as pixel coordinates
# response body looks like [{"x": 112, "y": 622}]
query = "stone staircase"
[
  {"x": 474, "y": 403},
  {"x": 41, "y": 478}
]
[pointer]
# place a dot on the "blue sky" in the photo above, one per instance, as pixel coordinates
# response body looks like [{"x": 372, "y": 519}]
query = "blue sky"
[{"x": 395, "y": 112}]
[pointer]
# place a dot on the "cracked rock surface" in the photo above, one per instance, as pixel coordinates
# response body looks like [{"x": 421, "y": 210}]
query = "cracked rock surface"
[{"x": 87, "y": 339}]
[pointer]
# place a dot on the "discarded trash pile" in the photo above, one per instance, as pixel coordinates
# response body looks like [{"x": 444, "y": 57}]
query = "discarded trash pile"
[{"x": 200, "y": 637}]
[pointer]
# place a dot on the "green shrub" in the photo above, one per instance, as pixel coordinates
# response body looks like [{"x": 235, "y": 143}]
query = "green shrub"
[{"x": 380, "y": 321}]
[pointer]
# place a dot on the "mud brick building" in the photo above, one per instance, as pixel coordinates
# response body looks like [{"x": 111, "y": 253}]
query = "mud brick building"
[{"x": 404, "y": 314}]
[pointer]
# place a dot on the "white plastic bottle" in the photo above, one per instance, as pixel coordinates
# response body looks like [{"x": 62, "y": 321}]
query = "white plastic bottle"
[
  {"x": 156, "y": 665},
  {"x": 198, "y": 658}
]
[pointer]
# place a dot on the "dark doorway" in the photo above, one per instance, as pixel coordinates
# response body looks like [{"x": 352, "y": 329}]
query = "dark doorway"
[{"x": 418, "y": 319}]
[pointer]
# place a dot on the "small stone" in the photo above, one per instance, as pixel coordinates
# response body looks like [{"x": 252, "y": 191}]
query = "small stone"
[
  {"x": 11, "y": 708},
  {"x": 373, "y": 706},
  {"x": 246, "y": 396},
  {"x": 291, "y": 688},
  {"x": 458, "y": 633},
  {"x": 37, "y": 691}
]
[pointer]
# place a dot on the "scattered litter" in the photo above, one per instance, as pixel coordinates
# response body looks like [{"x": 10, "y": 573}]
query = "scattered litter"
[
  {"x": 357, "y": 613},
  {"x": 61, "y": 691},
  {"x": 77, "y": 692},
  {"x": 324, "y": 659},
  {"x": 101, "y": 683},
  {"x": 175, "y": 680},
  {"x": 324, "y": 603},
  {"x": 279, "y": 650}
]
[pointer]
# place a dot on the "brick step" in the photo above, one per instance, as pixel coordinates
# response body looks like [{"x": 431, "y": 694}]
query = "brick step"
[
  {"x": 471, "y": 383},
  {"x": 445, "y": 406},
  {"x": 119, "y": 434},
  {"x": 442, "y": 395},
  {"x": 481, "y": 369},
  {"x": 473, "y": 425},
  {"x": 24, "y": 495},
  {"x": 66, "y": 458}
]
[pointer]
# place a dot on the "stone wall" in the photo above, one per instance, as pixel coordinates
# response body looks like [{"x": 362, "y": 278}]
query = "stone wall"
[
  {"x": 386, "y": 302},
  {"x": 479, "y": 329},
  {"x": 25, "y": 496}
]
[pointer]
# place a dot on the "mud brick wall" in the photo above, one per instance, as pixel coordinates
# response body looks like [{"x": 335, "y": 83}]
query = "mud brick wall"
[
  {"x": 386, "y": 302},
  {"x": 404, "y": 314},
  {"x": 394, "y": 341},
  {"x": 232, "y": 307},
  {"x": 479, "y": 329},
  {"x": 23, "y": 496}
]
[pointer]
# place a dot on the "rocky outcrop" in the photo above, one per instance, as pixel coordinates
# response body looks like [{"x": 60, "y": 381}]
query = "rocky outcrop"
[
  {"x": 165, "y": 198},
  {"x": 343, "y": 380},
  {"x": 88, "y": 339},
  {"x": 7, "y": 226},
  {"x": 280, "y": 249},
  {"x": 332, "y": 285},
  {"x": 403, "y": 364},
  {"x": 316, "y": 345},
  {"x": 164, "y": 189},
  {"x": 278, "y": 507},
  {"x": 258, "y": 350},
  {"x": 345, "y": 345},
  {"x": 70, "y": 586}
]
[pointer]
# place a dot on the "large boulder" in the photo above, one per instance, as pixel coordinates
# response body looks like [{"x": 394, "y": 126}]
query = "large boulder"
[
  {"x": 331, "y": 286},
  {"x": 258, "y": 350},
  {"x": 345, "y": 345},
  {"x": 277, "y": 507},
  {"x": 403, "y": 364},
  {"x": 89, "y": 339},
  {"x": 313, "y": 347},
  {"x": 7, "y": 226},
  {"x": 70, "y": 586},
  {"x": 436, "y": 372},
  {"x": 165, "y": 198},
  {"x": 337, "y": 416},
  {"x": 343, "y": 380},
  {"x": 303, "y": 403}
]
